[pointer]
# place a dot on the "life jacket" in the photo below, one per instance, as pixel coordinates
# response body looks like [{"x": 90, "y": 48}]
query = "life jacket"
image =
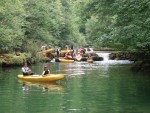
[
  {"x": 46, "y": 72},
  {"x": 26, "y": 69}
]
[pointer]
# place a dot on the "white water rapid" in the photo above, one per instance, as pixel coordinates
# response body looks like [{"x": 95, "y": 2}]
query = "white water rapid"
[{"x": 107, "y": 61}]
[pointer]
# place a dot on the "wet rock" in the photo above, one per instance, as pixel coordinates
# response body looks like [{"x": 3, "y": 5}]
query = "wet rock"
[
  {"x": 120, "y": 56},
  {"x": 84, "y": 59},
  {"x": 98, "y": 58}
]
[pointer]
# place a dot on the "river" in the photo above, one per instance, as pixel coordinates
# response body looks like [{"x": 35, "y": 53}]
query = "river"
[{"x": 100, "y": 87}]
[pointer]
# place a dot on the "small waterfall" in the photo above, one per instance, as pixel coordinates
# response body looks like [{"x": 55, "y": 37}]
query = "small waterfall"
[
  {"x": 105, "y": 56},
  {"x": 91, "y": 49},
  {"x": 107, "y": 61}
]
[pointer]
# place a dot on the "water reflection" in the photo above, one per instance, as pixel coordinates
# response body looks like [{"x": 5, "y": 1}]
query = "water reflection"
[
  {"x": 99, "y": 87},
  {"x": 77, "y": 68},
  {"x": 44, "y": 86}
]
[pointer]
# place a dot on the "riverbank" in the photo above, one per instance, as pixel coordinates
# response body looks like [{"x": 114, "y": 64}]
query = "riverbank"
[
  {"x": 141, "y": 59},
  {"x": 13, "y": 59}
]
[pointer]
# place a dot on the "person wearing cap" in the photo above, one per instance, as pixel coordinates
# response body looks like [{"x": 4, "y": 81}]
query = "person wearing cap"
[{"x": 45, "y": 71}]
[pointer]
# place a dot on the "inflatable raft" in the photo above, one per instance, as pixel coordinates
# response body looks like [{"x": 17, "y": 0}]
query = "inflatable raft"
[{"x": 40, "y": 78}]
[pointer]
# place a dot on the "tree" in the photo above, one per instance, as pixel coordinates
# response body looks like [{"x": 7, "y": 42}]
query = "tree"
[
  {"x": 132, "y": 24},
  {"x": 12, "y": 19}
]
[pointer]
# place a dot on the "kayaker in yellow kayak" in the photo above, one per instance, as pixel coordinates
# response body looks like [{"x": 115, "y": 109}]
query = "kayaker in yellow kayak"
[
  {"x": 45, "y": 71},
  {"x": 26, "y": 70}
]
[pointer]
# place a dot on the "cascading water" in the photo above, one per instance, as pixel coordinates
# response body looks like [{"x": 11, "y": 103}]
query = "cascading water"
[
  {"x": 105, "y": 56},
  {"x": 91, "y": 49},
  {"x": 107, "y": 61}
]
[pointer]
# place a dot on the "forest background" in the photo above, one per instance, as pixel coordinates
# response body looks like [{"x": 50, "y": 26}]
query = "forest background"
[{"x": 120, "y": 24}]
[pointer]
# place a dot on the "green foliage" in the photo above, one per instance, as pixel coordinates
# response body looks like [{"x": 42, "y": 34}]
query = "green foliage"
[
  {"x": 100, "y": 19},
  {"x": 41, "y": 58},
  {"x": 32, "y": 47},
  {"x": 132, "y": 23},
  {"x": 18, "y": 60},
  {"x": 121, "y": 24},
  {"x": 46, "y": 21},
  {"x": 11, "y": 19}
]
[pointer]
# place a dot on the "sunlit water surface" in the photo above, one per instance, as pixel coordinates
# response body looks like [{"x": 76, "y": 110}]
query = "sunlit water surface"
[{"x": 100, "y": 87}]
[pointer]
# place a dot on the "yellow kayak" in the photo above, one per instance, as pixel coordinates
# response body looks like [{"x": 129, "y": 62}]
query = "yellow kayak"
[
  {"x": 40, "y": 78},
  {"x": 65, "y": 51},
  {"x": 47, "y": 51},
  {"x": 90, "y": 60},
  {"x": 65, "y": 60}
]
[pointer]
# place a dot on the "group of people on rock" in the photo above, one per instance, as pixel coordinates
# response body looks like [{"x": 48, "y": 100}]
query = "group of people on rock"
[
  {"x": 71, "y": 53},
  {"x": 27, "y": 71},
  {"x": 76, "y": 55},
  {"x": 68, "y": 55}
]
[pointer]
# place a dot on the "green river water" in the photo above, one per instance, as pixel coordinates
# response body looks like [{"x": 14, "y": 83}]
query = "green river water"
[{"x": 99, "y": 87}]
